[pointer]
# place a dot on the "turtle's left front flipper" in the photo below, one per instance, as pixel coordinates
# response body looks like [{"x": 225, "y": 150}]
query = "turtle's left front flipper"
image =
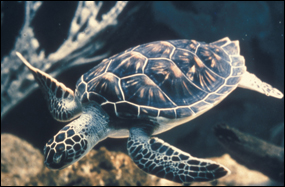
[
  {"x": 61, "y": 101},
  {"x": 156, "y": 157}
]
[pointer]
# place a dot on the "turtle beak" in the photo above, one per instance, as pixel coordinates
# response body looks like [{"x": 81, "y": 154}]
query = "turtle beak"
[
  {"x": 57, "y": 158},
  {"x": 54, "y": 159}
]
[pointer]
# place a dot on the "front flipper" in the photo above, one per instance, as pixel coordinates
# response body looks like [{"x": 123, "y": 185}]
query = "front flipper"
[
  {"x": 61, "y": 101},
  {"x": 156, "y": 157}
]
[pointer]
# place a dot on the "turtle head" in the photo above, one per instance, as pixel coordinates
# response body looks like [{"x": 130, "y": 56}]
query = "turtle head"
[
  {"x": 65, "y": 148},
  {"x": 77, "y": 138}
]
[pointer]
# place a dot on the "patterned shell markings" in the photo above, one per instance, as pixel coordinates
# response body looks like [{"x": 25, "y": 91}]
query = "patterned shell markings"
[{"x": 170, "y": 79}]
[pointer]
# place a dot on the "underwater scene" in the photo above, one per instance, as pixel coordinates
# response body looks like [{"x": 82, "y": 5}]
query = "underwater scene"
[{"x": 142, "y": 93}]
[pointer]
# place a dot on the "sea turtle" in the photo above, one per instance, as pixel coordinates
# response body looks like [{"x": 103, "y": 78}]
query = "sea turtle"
[{"x": 143, "y": 91}]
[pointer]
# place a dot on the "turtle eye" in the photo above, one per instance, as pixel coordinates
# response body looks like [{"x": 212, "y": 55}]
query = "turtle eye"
[{"x": 60, "y": 148}]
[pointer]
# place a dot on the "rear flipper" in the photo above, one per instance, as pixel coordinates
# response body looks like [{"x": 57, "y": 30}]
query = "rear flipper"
[
  {"x": 156, "y": 157},
  {"x": 250, "y": 81},
  {"x": 61, "y": 101}
]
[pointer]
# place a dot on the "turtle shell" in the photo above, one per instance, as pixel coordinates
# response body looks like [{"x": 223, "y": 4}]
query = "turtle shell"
[{"x": 171, "y": 79}]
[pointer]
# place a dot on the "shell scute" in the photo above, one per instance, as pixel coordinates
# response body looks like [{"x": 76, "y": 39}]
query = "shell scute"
[
  {"x": 184, "y": 112},
  {"x": 200, "y": 106},
  {"x": 127, "y": 110},
  {"x": 160, "y": 49},
  {"x": 232, "y": 48},
  {"x": 142, "y": 90},
  {"x": 81, "y": 88},
  {"x": 170, "y": 113},
  {"x": 97, "y": 98},
  {"x": 173, "y": 83},
  {"x": 146, "y": 112},
  {"x": 185, "y": 44},
  {"x": 110, "y": 107},
  {"x": 238, "y": 71},
  {"x": 221, "y": 42},
  {"x": 212, "y": 98},
  {"x": 96, "y": 71},
  {"x": 217, "y": 62},
  {"x": 196, "y": 71},
  {"x": 238, "y": 61},
  {"x": 226, "y": 89},
  {"x": 127, "y": 64},
  {"x": 107, "y": 86},
  {"x": 233, "y": 80}
]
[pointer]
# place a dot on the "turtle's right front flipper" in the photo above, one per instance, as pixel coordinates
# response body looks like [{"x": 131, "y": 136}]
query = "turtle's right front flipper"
[
  {"x": 156, "y": 157},
  {"x": 61, "y": 101}
]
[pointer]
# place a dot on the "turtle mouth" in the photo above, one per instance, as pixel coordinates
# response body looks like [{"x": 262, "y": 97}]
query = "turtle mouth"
[{"x": 54, "y": 159}]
